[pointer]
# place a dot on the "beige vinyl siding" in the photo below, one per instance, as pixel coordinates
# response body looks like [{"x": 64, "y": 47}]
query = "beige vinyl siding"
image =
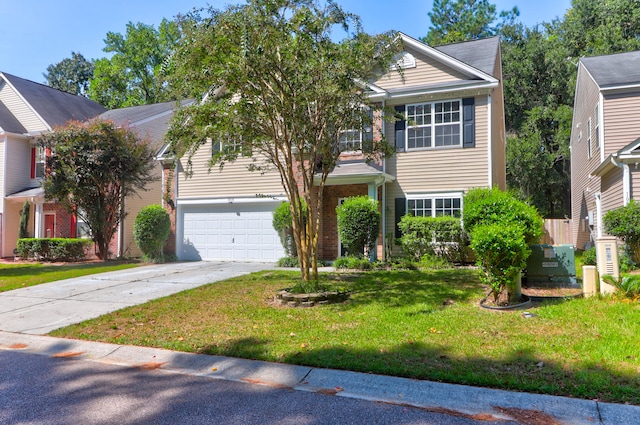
[
  {"x": 3, "y": 145},
  {"x": 12, "y": 223},
  {"x": 17, "y": 172},
  {"x": 21, "y": 110},
  {"x": 427, "y": 71},
  {"x": 233, "y": 180},
  {"x": 498, "y": 136},
  {"x": 583, "y": 188},
  {"x": 611, "y": 189},
  {"x": 621, "y": 123},
  {"x": 133, "y": 205},
  {"x": 439, "y": 170},
  {"x": 635, "y": 183}
]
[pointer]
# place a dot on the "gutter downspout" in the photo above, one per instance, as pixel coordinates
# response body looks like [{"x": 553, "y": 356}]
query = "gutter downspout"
[
  {"x": 490, "y": 142},
  {"x": 626, "y": 180},
  {"x": 384, "y": 191}
]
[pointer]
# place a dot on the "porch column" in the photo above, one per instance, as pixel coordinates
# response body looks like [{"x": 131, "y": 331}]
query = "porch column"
[
  {"x": 39, "y": 220},
  {"x": 372, "y": 189}
]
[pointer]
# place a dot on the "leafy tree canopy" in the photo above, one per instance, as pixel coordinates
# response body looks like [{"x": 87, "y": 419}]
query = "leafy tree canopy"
[
  {"x": 92, "y": 168},
  {"x": 135, "y": 73},
  {"x": 462, "y": 20},
  {"x": 272, "y": 83},
  {"x": 71, "y": 75}
]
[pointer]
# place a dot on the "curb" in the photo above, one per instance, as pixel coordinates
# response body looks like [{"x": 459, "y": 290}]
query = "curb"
[{"x": 458, "y": 400}]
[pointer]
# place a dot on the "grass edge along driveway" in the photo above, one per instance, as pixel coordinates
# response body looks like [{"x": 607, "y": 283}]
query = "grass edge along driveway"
[
  {"x": 415, "y": 324},
  {"x": 22, "y": 275}
]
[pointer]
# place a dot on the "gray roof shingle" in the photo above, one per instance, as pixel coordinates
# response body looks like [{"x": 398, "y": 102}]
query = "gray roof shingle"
[
  {"x": 480, "y": 54},
  {"x": 8, "y": 122},
  {"x": 54, "y": 106},
  {"x": 614, "y": 70}
]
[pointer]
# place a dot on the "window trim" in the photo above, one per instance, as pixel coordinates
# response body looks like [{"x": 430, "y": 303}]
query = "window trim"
[
  {"x": 597, "y": 126},
  {"x": 433, "y": 125},
  {"x": 433, "y": 196},
  {"x": 589, "y": 153}
]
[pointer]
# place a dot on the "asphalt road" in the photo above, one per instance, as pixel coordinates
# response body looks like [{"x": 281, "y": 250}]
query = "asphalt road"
[{"x": 36, "y": 389}]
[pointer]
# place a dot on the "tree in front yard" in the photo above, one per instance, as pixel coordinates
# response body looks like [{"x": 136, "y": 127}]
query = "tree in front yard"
[
  {"x": 272, "y": 83},
  {"x": 92, "y": 168}
]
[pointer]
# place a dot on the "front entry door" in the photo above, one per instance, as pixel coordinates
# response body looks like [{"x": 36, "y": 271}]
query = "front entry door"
[{"x": 49, "y": 225}]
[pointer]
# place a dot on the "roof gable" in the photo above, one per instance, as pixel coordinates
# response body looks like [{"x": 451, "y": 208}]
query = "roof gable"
[
  {"x": 611, "y": 71},
  {"x": 54, "y": 107}
]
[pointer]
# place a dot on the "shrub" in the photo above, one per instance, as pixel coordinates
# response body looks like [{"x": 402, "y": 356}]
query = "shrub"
[
  {"x": 23, "y": 231},
  {"x": 624, "y": 222},
  {"x": 628, "y": 286},
  {"x": 434, "y": 262},
  {"x": 589, "y": 257},
  {"x": 151, "y": 230},
  {"x": 53, "y": 249},
  {"x": 441, "y": 236},
  {"x": 502, "y": 253},
  {"x": 352, "y": 263},
  {"x": 358, "y": 224},
  {"x": 501, "y": 227},
  {"x": 485, "y": 206},
  {"x": 282, "y": 223},
  {"x": 288, "y": 262}
]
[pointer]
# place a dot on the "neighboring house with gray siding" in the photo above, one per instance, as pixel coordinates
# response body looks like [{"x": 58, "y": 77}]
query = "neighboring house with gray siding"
[
  {"x": 451, "y": 139},
  {"x": 605, "y": 141}
]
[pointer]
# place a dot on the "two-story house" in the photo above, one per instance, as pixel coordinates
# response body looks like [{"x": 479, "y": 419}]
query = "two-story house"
[
  {"x": 450, "y": 138},
  {"x": 605, "y": 141},
  {"x": 28, "y": 109}
]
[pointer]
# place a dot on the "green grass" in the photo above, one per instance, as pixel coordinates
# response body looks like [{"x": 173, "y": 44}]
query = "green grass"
[
  {"x": 22, "y": 275},
  {"x": 398, "y": 323}
]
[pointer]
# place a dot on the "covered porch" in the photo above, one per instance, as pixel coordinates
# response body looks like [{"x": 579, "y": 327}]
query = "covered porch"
[{"x": 348, "y": 179}]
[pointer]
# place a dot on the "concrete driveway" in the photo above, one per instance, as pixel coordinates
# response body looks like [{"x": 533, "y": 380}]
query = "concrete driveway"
[{"x": 42, "y": 308}]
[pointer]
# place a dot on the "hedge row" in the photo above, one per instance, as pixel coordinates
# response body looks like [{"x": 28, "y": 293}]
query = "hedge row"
[{"x": 53, "y": 249}]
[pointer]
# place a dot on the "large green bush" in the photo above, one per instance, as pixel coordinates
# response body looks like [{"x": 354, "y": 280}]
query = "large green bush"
[
  {"x": 624, "y": 222},
  {"x": 486, "y": 206},
  {"x": 502, "y": 254},
  {"x": 440, "y": 236},
  {"x": 358, "y": 224},
  {"x": 53, "y": 249},
  {"x": 501, "y": 227},
  {"x": 151, "y": 230},
  {"x": 282, "y": 223}
]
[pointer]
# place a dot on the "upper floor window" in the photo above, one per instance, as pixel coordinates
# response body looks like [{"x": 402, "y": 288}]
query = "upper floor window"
[
  {"x": 38, "y": 161},
  {"x": 589, "y": 138},
  {"x": 596, "y": 119},
  {"x": 350, "y": 140},
  {"x": 434, "y": 124},
  {"x": 435, "y": 206},
  {"x": 229, "y": 146}
]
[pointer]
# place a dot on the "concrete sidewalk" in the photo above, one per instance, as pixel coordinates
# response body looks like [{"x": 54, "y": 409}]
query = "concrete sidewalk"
[
  {"x": 25, "y": 313},
  {"x": 42, "y": 308},
  {"x": 459, "y": 400}
]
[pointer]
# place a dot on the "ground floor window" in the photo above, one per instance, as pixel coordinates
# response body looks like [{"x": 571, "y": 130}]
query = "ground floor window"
[{"x": 449, "y": 204}]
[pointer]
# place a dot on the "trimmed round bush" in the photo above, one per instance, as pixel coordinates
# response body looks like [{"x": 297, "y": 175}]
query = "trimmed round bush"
[
  {"x": 358, "y": 224},
  {"x": 151, "y": 230}
]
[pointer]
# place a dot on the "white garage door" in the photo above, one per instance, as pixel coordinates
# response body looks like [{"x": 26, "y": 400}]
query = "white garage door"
[{"x": 233, "y": 232}]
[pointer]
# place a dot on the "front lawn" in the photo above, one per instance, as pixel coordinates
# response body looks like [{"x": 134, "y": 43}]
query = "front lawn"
[
  {"x": 417, "y": 324},
  {"x": 21, "y": 275}
]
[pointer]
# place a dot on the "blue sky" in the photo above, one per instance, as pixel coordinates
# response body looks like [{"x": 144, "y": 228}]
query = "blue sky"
[{"x": 35, "y": 33}]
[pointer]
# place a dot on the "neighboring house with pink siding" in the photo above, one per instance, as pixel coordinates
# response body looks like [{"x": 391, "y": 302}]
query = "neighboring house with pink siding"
[
  {"x": 28, "y": 109},
  {"x": 605, "y": 141},
  {"x": 451, "y": 138}
]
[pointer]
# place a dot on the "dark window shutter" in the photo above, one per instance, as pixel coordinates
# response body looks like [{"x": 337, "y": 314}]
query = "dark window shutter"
[
  {"x": 469, "y": 123},
  {"x": 400, "y": 128},
  {"x": 33, "y": 163},
  {"x": 401, "y": 209}
]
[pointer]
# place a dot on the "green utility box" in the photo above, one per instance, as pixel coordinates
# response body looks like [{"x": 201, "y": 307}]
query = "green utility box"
[{"x": 551, "y": 265}]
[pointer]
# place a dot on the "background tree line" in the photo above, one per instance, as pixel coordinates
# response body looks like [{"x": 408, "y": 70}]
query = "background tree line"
[{"x": 539, "y": 71}]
